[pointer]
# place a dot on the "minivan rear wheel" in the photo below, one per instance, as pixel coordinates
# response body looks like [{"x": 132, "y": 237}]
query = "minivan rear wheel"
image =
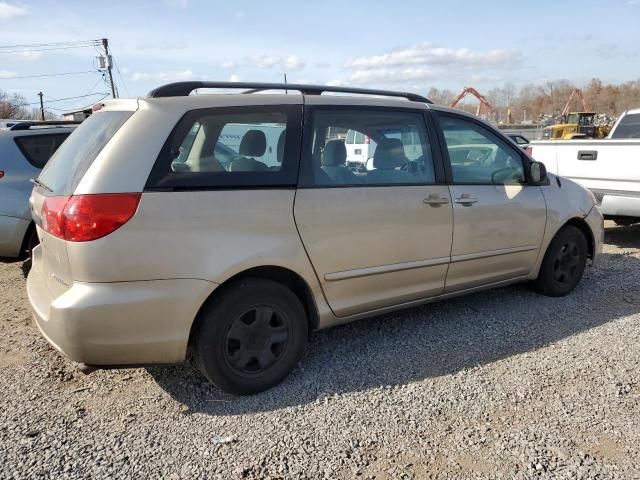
[
  {"x": 251, "y": 336},
  {"x": 563, "y": 263}
]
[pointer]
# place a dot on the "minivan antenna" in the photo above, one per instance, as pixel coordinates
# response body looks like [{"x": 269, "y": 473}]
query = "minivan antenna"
[{"x": 286, "y": 92}]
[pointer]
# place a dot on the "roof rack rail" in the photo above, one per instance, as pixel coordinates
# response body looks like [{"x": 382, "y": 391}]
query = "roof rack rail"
[
  {"x": 181, "y": 89},
  {"x": 26, "y": 125}
]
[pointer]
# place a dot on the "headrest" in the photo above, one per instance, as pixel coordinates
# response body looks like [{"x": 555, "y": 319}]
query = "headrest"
[
  {"x": 280, "y": 148},
  {"x": 253, "y": 144},
  {"x": 389, "y": 154},
  {"x": 334, "y": 154}
]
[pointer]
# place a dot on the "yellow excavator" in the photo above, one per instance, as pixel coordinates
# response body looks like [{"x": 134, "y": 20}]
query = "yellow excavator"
[{"x": 576, "y": 124}]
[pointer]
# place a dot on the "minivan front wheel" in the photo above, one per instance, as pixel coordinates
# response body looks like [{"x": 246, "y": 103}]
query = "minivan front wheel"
[
  {"x": 252, "y": 336},
  {"x": 563, "y": 263}
]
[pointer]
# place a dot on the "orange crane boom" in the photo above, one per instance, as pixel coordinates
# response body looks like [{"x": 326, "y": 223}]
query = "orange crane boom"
[
  {"x": 578, "y": 92},
  {"x": 484, "y": 106}
]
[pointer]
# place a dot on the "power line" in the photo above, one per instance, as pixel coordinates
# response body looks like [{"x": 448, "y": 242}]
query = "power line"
[
  {"x": 48, "y": 75},
  {"x": 67, "y": 98},
  {"x": 81, "y": 108},
  {"x": 122, "y": 78},
  {"x": 50, "y": 44},
  {"x": 29, "y": 50}
]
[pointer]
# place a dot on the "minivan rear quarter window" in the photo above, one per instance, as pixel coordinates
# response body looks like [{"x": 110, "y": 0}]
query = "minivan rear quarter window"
[
  {"x": 231, "y": 147},
  {"x": 74, "y": 157}
]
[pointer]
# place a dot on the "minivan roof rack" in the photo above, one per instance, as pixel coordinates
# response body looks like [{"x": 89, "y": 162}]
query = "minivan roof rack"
[
  {"x": 182, "y": 89},
  {"x": 28, "y": 124}
]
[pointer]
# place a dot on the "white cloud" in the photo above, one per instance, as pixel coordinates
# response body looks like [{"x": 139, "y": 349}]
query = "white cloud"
[
  {"x": 416, "y": 64},
  {"x": 429, "y": 54},
  {"x": 234, "y": 78},
  {"x": 228, "y": 65},
  {"x": 10, "y": 11},
  {"x": 169, "y": 76},
  {"x": 336, "y": 83},
  {"x": 7, "y": 74},
  {"x": 265, "y": 61},
  {"x": 27, "y": 55},
  {"x": 391, "y": 75},
  {"x": 293, "y": 63}
]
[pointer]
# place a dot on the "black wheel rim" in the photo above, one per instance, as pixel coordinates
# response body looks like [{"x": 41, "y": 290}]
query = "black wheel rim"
[
  {"x": 566, "y": 263},
  {"x": 256, "y": 340}
]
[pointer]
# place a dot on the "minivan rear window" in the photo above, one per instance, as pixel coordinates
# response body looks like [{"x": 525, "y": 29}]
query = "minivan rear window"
[
  {"x": 38, "y": 149},
  {"x": 63, "y": 172}
]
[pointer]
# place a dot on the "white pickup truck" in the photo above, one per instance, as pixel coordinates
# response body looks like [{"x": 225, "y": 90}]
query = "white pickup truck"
[{"x": 609, "y": 167}]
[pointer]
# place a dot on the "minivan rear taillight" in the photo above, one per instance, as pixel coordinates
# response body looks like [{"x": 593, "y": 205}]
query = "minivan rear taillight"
[
  {"x": 367, "y": 140},
  {"x": 529, "y": 151},
  {"x": 81, "y": 218}
]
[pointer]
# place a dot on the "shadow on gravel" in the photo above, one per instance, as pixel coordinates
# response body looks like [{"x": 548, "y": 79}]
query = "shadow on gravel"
[
  {"x": 623, "y": 237},
  {"x": 25, "y": 267},
  {"x": 433, "y": 340}
]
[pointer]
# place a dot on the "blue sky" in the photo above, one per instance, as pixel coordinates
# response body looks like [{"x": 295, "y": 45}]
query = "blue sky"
[{"x": 409, "y": 45}]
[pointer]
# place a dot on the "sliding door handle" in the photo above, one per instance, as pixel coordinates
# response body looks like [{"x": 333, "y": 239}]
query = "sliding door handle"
[
  {"x": 466, "y": 200},
  {"x": 435, "y": 200}
]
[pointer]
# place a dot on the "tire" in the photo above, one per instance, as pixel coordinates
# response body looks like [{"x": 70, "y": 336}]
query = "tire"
[
  {"x": 32, "y": 242},
  {"x": 563, "y": 263},
  {"x": 251, "y": 336}
]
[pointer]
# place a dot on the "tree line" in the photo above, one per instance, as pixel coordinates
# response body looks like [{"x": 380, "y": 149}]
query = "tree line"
[{"x": 534, "y": 102}]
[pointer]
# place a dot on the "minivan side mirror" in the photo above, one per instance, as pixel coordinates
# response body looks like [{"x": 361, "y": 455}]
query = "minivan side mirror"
[{"x": 538, "y": 172}]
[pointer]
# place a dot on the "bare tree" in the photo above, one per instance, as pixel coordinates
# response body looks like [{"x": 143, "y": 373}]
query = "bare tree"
[{"x": 12, "y": 106}]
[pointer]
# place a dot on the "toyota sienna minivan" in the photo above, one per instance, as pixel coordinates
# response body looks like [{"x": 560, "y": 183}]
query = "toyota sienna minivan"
[{"x": 155, "y": 249}]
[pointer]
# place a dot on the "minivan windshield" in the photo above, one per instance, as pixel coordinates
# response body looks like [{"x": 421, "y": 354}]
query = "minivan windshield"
[{"x": 67, "y": 166}]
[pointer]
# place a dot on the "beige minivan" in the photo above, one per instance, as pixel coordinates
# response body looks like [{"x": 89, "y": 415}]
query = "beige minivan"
[{"x": 226, "y": 227}]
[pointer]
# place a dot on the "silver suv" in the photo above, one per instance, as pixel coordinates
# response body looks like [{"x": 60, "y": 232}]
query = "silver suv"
[
  {"x": 25, "y": 147},
  {"x": 227, "y": 227}
]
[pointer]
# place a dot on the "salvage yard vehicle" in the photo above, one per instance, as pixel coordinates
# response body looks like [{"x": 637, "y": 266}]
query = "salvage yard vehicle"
[
  {"x": 607, "y": 167},
  {"x": 574, "y": 126},
  {"x": 360, "y": 149},
  {"x": 25, "y": 147},
  {"x": 158, "y": 260}
]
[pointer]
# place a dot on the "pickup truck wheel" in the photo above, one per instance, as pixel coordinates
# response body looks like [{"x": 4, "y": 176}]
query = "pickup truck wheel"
[
  {"x": 252, "y": 336},
  {"x": 563, "y": 263}
]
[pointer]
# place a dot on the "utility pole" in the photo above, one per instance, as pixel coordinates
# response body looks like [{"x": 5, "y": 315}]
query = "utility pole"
[
  {"x": 109, "y": 63},
  {"x": 41, "y": 106}
]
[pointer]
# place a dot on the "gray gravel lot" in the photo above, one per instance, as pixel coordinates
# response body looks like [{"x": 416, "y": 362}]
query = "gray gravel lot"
[{"x": 502, "y": 384}]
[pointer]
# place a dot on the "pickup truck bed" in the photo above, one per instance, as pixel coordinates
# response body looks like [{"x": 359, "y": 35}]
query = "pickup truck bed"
[{"x": 609, "y": 168}]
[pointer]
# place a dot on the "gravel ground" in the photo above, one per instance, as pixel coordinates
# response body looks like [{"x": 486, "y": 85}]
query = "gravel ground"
[{"x": 502, "y": 384}]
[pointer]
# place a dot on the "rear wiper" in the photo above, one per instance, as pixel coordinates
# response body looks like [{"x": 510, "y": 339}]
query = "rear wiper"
[{"x": 40, "y": 184}]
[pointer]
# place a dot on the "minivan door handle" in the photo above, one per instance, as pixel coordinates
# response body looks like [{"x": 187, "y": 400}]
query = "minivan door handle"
[
  {"x": 587, "y": 154},
  {"x": 466, "y": 200},
  {"x": 435, "y": 200}
]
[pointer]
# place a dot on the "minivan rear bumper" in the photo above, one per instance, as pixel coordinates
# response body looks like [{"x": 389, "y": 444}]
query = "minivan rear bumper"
[{"x": 119, "y": 323}]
